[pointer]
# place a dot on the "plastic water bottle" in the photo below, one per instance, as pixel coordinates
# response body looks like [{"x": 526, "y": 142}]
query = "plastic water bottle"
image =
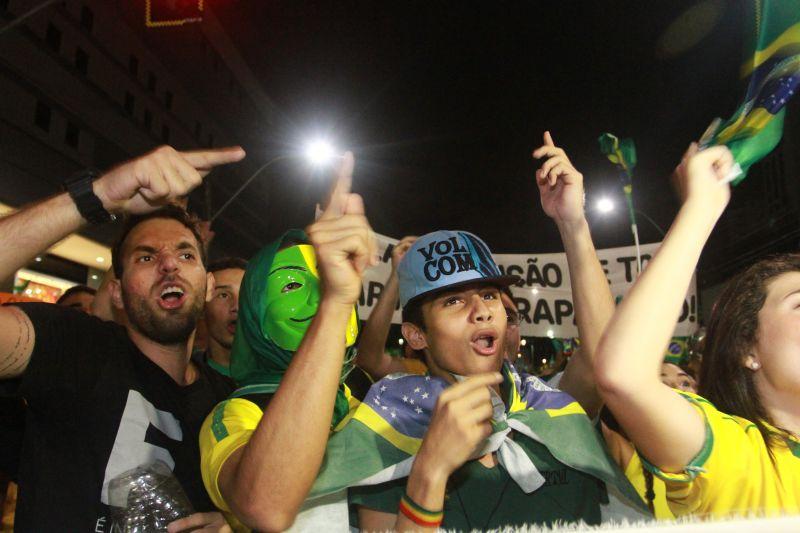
[{"x": 146, "y": 498}]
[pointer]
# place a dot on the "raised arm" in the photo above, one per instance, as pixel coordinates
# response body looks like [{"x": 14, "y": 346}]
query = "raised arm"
[
  {"x": 137, "y": 186},
  {"x": 562, "y": 195},
  {"x": 662, "y": 425},
  {"x": 372, "y": 355},
  {"x": 266, "y": 480}
]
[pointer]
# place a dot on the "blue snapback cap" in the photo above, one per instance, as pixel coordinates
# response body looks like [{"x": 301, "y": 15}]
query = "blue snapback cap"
[{"x": 445, "y": 259}]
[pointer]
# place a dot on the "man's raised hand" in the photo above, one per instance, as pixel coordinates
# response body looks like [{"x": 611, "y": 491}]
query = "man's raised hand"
[
  {"x": 343, "y": 239},
  {"x": 156, "y": 178},
  {"x": 560, "y": 184},
  {"x": 461, "y": 421}
]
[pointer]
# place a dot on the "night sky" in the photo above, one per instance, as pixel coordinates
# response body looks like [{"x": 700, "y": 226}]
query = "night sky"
[{"x": 442, "y": 103}]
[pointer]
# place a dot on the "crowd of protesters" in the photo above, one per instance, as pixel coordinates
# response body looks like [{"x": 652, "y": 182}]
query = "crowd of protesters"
[{"x": 283, "y": 413}]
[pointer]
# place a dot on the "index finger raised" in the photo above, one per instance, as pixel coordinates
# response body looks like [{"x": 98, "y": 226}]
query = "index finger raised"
[
  {"x": 340, "y": 190},
  {"x": 208, "y": 159}
]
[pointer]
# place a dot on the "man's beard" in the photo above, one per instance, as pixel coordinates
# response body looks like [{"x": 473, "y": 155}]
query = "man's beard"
[{"x": 169, "y": 328}]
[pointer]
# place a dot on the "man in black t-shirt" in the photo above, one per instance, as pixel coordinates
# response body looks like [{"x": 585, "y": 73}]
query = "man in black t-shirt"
[{"x": 103, "y": 398}]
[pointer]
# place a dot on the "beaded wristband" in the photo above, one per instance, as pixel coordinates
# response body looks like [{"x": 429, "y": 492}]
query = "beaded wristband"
[{"x": 418, "y": 514}]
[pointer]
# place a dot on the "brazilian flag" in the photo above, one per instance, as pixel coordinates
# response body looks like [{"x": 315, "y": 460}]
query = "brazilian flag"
[
  {"x": 774, "y": 76},
  {"x": 379, "y": 439}
]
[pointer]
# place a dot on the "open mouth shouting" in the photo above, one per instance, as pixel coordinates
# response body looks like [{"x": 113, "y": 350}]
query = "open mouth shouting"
[
  {"x": 484, "y": 342},
  {"x": 172, "y": 296},
  {"x": 231, "y": 327}
]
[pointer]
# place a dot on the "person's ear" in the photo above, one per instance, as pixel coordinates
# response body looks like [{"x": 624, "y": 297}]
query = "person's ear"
[
  {"x": 414, "y": 336},
  {"x": 115, "y": 291},
  {"x": 211, "y": 284}
]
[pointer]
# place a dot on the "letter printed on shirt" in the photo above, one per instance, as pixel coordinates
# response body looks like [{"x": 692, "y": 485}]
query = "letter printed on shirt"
[{"x": 130, "y": 448}]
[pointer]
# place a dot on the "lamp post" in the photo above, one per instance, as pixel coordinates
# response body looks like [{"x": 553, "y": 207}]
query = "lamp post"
[
  {"x": 605, "y": 206},
  {"x": 319, "y": 153}
]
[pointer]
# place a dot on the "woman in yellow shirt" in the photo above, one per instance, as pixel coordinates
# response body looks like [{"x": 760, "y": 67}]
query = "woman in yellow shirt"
[{"x": 733, "y": 449}]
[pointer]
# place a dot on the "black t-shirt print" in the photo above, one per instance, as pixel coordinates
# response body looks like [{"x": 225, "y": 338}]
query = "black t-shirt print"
[{"x": 97, "y": 407}]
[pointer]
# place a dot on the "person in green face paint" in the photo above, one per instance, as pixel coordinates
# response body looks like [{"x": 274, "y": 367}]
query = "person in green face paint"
[{"x": 262, "y": 448}]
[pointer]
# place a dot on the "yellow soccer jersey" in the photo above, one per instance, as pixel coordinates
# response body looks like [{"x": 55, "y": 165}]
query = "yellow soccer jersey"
[
  {"x": 229, "y": 427},
  {"x": 231, "y": 424},
  {"x": 733, "y": 473},
  {"x": 621, "y": 449},
  {"x": 635, "y": 474}
]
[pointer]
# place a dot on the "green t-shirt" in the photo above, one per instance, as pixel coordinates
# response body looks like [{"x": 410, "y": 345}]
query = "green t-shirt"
[
  {"x": 224, "y": 370},
  {"x": 486, "y": 498}
]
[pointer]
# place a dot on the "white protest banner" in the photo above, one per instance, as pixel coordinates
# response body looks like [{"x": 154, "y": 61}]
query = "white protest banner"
[
  {"x": 375, "y": 279},
  {"x": 543, "y": 296}
]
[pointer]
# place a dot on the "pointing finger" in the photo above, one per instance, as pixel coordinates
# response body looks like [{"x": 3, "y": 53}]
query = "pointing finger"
[
  {"x": 340, "y": 191},
  {"x": 205, "y": 160},
  {"x": 548, "y": 139},
  {"x": 546, "y": 150}
]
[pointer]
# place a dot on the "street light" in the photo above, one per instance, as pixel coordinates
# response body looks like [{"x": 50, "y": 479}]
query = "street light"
[
  {"x": 604, "y": 205},
  {"x": 319, "y": 153}
]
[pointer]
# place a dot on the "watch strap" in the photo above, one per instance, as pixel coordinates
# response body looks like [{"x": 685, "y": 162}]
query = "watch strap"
[{"x": 89, "y": 205}]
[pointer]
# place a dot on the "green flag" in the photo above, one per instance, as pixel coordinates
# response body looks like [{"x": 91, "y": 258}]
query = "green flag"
[
  {"x": 774, "y": 76},
  {"x": 621, "y": 152}
]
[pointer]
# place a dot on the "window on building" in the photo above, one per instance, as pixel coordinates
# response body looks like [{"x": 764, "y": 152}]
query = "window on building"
[
  {"x": 165, "y": 133},
  {"x": 148, "y": 119},
  {"x": 151, "y": 81},
  {"x": 133, "y": 65},
  {"x": 168, "y": 99},
  {"x": 81, "y": 61},
  {"x": 73, "y": 134},
  {"x": 87, "y": 18},
  {"x": 130, "y": 103},
  {"x": 53, "y": 37},
  {"x": 42, "y": 118}
]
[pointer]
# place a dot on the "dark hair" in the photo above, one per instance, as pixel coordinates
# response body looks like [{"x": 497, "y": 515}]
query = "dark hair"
[
  {"x": 170, "y": 212},
  {"x": 412, "y": 312},
  {"x": 227, "y": 262},
  {"x": 731, "y": 334},
  {"x": 75, "y": 289}
]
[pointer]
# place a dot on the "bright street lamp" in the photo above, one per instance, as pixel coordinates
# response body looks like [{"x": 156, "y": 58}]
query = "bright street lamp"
[
  {"x": 604, "y": 205},
  {"x": 319, "y": 152}
]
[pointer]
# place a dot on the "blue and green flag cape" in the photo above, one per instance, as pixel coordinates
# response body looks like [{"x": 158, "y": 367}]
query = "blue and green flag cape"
[{"x": 380, "y": 437}]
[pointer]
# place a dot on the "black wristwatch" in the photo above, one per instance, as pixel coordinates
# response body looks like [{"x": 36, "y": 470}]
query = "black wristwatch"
[{"x": 79, "y": 187}]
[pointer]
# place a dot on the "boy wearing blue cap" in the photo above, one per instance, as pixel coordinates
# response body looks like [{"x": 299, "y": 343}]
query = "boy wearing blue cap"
[{"x": 487, "y": 447}]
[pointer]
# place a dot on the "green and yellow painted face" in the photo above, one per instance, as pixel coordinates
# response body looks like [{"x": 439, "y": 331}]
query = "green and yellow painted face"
[{"x": 292, "y": 298}]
